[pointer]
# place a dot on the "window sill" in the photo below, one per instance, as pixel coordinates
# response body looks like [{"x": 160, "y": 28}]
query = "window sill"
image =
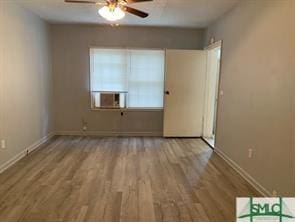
[{"x": 129, "y": 110}]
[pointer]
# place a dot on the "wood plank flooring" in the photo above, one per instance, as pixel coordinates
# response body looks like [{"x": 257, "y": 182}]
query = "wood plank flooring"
[{"x": 89, "y": 179}]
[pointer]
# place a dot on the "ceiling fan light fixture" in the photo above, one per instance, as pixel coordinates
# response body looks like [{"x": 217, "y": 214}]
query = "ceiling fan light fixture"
[{"x": 111, "y": 14}]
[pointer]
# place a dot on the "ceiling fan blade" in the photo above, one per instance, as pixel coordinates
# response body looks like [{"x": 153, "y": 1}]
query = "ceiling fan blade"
[
  {"x": 135, "y": 12},
  {"x": 136, "y": 1},
  {"x": 80, "y": 1}
]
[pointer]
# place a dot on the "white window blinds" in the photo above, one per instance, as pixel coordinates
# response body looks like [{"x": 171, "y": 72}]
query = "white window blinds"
[
  {"x": 108, "y": 70},
  {"x": 138, "y": 72}
]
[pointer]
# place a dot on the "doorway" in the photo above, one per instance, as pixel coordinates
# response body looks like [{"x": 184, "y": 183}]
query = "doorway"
[{"x": 211, "y": 92}]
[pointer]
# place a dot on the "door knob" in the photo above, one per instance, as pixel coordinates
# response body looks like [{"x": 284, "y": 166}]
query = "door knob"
[{"x": 167, "y": 92}]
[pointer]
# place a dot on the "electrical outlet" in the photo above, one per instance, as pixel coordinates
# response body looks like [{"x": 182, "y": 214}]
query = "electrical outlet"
[
  {"x": 3, "y": 144},
  {"x": 250, "y": 153},
  {"x": 274, "y": 193}
]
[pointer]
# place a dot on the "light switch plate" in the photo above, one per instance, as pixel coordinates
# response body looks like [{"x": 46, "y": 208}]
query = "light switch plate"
[
  {"x": 3, "y": 144},
  {"x": 250, "y": 153}
]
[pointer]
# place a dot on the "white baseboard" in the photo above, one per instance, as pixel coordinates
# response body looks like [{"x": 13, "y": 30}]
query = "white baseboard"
[
  {"x": 103, "y": 133},
  {"x": 26, "y": 151},
  {"x": 38, "y": 143},
  {"x": 262, "y": 190}
]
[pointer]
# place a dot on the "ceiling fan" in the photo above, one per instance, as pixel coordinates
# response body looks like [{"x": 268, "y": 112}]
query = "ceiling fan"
[{"x": 114, "y": 10}]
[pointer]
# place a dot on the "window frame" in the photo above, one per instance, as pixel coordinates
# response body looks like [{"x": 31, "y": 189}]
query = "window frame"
[{"x": 133, "y": 109}]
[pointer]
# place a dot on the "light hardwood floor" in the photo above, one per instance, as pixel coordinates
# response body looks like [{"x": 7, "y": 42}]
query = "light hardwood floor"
[{"x": 75, "y": 179}]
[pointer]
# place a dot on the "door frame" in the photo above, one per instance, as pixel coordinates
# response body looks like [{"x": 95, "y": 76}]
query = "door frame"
[{"x": 214, "y": 45}]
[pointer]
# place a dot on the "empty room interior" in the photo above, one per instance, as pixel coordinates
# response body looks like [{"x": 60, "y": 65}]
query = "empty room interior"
[{"x": 147, "y": 110}]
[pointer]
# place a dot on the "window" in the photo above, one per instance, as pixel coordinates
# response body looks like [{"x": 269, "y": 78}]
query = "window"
[{"x": 136, "y": 75}]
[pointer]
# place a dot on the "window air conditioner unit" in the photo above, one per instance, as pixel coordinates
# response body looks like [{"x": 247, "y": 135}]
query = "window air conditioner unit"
[{"x": 110, "y": 100}]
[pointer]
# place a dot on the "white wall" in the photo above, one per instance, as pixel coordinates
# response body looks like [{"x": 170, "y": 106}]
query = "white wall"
[
  {"x": 258, "y": 79},
  {"x": 25, "y": 80}
]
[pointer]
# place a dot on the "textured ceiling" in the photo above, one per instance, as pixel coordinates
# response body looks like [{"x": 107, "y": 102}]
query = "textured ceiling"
[{"x": 176, "y": 13}]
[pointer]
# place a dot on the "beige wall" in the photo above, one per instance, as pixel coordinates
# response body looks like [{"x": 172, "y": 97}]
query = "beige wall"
[
  {"x": 258, "y": 80},
  {"x": 71, "y": 75},
  {"x": 25, "y": 80}
]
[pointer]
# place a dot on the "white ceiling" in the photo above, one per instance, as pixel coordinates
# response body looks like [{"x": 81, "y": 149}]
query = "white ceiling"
[{"x": 176, "y": 13}]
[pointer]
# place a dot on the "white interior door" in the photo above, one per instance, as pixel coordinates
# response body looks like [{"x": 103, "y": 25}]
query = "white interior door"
[
  {"x": 211, "y": 91},
  {"x": 184, "y": 92}
]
